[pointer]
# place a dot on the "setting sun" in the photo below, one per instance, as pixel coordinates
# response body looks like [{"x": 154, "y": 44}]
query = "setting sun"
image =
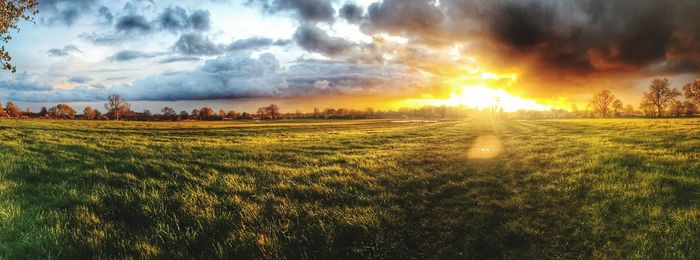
[{"x": 481, "y": 97}]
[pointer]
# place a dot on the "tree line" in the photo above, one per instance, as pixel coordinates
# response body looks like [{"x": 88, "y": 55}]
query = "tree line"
[
  {"x": 660, "y": 100},
  {"x": 117, "y": 108}
]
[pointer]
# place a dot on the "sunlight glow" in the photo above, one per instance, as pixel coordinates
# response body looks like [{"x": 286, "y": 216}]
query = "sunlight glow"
[
  {"x": 480, "y": 90},
  {"x": 482, "y": 97}
]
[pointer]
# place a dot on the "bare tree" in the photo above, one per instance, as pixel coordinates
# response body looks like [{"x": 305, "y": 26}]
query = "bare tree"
[
  {"x": 677, "y": 108},
  {"x": 692, "y": 91},
  {"x": 12, "y": 12},
  {"x": 602, "y": 103},
  {"x": 273, "y": 111},
  {"x": 117, "y": 107},
  {"x": 660, "y": 95},
  {"x": 168, "y": 112},
  {"x": 262, "y": 113}
]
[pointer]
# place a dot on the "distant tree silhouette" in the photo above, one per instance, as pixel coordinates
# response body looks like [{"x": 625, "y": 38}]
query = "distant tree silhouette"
[
  {"x": 117, "y": 107},
  {"x": 12, "y": 110},
  {"x": 168, "y": 113},
  {"x": 617, "y": 107},
  {"x": 184, "y": 115},
  {"x": 12, "y": 12},
  {"x": 62, "y": 111},
  {"x": 269, "y": 112},
  {"x": 677, "y": 108},
  {"x": 660, "y": 96},
  {"x": 90, "y": 113},
  {"x": 43, "y": 112},
  {"x": 231, "y": 115},
  {"x": 145, "y": 115},
  {"x": 692, "y": 91},
  {"x": 629, "y": 110},
  {"x": 691, "y": 108},
  {"x": 602, "y": 103},
  {"x": 206, "y": 113}
]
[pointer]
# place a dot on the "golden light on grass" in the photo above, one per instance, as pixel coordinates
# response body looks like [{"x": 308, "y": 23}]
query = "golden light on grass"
[{"x": 485, "y": 147}]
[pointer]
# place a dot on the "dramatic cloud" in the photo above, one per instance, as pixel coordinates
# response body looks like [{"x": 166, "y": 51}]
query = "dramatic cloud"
[
  {"x": 65, "y": 51},
  {"x": 307, "y": 10},
  {"x": 233, "y": 76},
  {"x": 557, "y": 49},
  {"x": 133, "y": 23},
  {"x": 422, "y": 18},
  {"x": 578, "y": 37},
  {"x": 200, "y": 20},
  {"x": 176, "y": 19},
  {"x": 351, "y": 12},
  {"x": 312, "y": 38},
  {"x": 196, "y": 44}
]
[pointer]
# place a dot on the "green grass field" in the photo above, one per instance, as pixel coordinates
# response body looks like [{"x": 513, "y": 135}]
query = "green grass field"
[{"x": 609, "y": 188}]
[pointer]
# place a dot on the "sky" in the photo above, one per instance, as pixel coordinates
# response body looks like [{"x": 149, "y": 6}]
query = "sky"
[{"x": 241, "y": 54}]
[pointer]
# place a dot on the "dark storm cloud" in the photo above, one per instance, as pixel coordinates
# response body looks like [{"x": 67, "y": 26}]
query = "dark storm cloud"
[
  {"x": 133, "y": 23},
  {"x": 65, "y": 51},
  {"x": 399, "y": 16},
  {"x": 307, "y": 10},
  {"x": 255, "y": 43},
  {"x": 196, "y": 44},
  {"x": 311, "y": 38},
  {"x": 200, "y": 20},
  {"x": 351, "y": 12},
  {"x": 580, "y": 37}
]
